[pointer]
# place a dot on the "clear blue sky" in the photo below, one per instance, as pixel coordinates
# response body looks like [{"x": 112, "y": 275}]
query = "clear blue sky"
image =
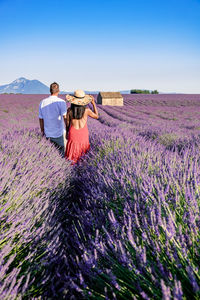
[{"x": 102, "y": 45}]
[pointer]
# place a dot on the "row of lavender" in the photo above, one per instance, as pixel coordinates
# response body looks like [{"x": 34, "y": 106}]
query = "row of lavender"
[
  {"x": 122, "y": 224},
  {"x": 172, "y": 121}
]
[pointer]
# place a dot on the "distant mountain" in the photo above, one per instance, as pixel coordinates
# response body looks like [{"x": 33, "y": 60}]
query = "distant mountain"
[
  {"x": 25, "y": 86},
  {"x": 170, "y": 93},
  {"x": 125, "y": 92},
  {"x": 91, "y": 92},
  {"x": 96, "y": 92}
]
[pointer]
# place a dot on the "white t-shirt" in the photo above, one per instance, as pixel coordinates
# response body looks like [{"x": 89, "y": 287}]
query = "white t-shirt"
[{"x": 51, "y": 110}]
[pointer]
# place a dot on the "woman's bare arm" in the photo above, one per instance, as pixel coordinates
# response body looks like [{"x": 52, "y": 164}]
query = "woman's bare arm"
[
  {"x": 67, "y": 121},
  {"x": 92, "y": 114}
]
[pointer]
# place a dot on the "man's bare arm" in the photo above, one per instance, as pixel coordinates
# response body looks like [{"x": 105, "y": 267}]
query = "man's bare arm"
[{"x": 42, "y": 126}]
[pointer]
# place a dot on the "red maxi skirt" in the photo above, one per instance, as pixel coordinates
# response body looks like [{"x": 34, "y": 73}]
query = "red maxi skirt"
[{"x": 77, "y": 143}]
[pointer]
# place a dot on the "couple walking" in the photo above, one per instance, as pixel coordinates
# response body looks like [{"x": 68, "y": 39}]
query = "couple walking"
[{"x": 53, "y": 115}]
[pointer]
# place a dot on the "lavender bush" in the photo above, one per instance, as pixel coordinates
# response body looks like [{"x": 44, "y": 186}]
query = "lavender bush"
[
  {"x": 33, "y": 183},
  {"x": 148, "y": 243}
]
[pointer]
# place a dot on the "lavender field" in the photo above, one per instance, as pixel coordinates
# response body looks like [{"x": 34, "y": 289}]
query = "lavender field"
[{"x": 121, "y": 224}]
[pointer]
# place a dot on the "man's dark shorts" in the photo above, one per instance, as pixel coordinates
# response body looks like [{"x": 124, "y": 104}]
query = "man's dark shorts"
[{"x": 59, "y": 143}]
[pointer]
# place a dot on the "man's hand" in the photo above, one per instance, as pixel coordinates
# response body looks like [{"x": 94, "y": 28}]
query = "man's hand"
[{"x": 41, "y": 121}]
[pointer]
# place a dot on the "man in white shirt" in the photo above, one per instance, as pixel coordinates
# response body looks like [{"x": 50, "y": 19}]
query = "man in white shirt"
[{"x": 52, "y": 116}]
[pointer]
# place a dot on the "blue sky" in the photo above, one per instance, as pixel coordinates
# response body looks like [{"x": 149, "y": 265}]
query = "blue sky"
[{"x": 102, "y": 45}]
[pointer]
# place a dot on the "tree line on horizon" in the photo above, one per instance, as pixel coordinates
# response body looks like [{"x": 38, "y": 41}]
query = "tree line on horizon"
[{"x": 138, "y": 91}]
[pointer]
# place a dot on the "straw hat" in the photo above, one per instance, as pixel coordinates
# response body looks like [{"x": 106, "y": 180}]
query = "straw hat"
[{"x": 79, "y": 98}]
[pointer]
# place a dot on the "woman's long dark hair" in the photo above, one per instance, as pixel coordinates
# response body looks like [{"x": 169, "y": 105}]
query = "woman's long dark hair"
[{"x": 77, "y": 111}]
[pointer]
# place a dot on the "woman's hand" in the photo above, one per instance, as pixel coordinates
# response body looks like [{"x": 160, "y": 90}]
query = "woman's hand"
[{"x": 93, "y": 101}]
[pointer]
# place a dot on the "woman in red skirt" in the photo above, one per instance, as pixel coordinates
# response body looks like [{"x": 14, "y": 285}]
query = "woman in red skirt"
[{"x": 77, "y": 134}]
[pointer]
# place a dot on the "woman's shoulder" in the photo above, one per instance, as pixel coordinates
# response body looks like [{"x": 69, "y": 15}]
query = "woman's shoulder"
[{"x": 87, "y": 109}]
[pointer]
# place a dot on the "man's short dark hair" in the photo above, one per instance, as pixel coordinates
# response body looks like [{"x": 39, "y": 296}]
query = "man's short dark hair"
[{"x": 54, "y": 88}]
